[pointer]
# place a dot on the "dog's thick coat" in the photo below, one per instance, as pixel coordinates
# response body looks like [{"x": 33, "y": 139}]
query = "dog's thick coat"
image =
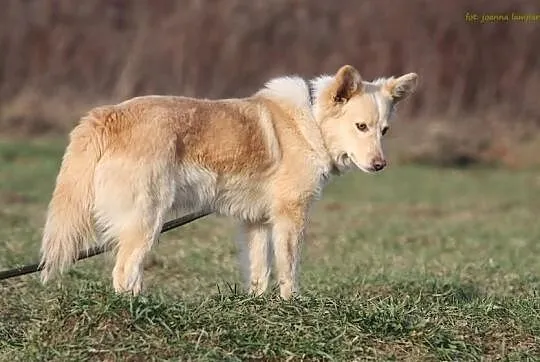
[{"x": 261, "y": 159}]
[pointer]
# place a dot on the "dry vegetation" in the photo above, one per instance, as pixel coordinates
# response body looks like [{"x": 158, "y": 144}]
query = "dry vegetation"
[{"x": 478, "y": 96}]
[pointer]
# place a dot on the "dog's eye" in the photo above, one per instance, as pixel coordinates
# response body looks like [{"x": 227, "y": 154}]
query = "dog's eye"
[
  {"x": 361, "y": 127},
  {"x": 384, "y": 130}
]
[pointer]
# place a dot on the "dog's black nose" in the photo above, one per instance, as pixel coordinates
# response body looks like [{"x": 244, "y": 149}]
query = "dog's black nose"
[{"x": 379, "y": 165}]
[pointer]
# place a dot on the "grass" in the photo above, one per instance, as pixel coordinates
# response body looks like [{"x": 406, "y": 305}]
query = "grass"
[{"x": 417, "y": 263}]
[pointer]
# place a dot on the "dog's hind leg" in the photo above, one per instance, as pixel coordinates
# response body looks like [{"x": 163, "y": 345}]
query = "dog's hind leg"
[
  {"x": 134, "y": 242},
  {"x": 255, "y": 256},
  {"x": 131, "y": 207}
]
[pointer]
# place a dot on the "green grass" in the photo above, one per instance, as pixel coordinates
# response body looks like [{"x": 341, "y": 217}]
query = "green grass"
[{"x": 413, "y": 264}]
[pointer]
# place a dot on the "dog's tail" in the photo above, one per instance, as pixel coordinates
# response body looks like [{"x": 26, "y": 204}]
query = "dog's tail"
[{"x": 69, "y": 221}]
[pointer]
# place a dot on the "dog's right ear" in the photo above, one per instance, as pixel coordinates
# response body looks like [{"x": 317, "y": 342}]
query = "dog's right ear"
[{"x": 348, "y": 83}]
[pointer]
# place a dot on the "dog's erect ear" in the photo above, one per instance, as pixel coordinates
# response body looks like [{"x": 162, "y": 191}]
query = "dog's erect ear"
[
  {"x": 402, "y": 87},
  {"x": 348, "y": 82}
]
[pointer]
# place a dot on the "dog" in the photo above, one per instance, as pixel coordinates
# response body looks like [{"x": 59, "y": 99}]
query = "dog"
[{"x": 262, "y": 160}]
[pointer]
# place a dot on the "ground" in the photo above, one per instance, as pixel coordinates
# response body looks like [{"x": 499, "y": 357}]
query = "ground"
[{"x": 416, "y": 263}]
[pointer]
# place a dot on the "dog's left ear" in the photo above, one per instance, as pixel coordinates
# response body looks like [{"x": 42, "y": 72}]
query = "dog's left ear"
[
  {"x": 402, "y": 87},
  {"x": 348, "y": 83}
]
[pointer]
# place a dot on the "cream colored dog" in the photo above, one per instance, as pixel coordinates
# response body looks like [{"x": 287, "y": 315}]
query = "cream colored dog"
[{"x": 262, "y": 159}]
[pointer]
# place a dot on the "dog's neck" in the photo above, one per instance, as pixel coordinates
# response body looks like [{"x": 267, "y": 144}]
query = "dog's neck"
[
  {"x": 334, "y": 168},
  {"x": 302, "y": 94}
]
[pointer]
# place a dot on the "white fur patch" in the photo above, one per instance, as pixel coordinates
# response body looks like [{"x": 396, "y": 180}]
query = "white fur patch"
[
  {"x": 293, "y": 89},
  {"x": 320, "y": 84}
]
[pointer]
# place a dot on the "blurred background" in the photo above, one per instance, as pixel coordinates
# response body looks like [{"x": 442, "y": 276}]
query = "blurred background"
[
  {"x": 418, "y": 263},
  {"x": 478, "y": 100}
]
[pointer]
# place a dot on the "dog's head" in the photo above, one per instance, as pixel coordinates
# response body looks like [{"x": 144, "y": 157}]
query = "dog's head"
[{"x": 354, "y": 115}]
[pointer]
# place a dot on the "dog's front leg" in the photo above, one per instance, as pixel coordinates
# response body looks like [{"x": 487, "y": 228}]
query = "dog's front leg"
[
  {"x": 255, "y": 256},
  {"x": 287, "y": 235}
]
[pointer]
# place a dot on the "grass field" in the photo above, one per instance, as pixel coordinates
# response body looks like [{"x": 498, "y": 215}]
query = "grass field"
[{"x": 414, "y": 264}]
